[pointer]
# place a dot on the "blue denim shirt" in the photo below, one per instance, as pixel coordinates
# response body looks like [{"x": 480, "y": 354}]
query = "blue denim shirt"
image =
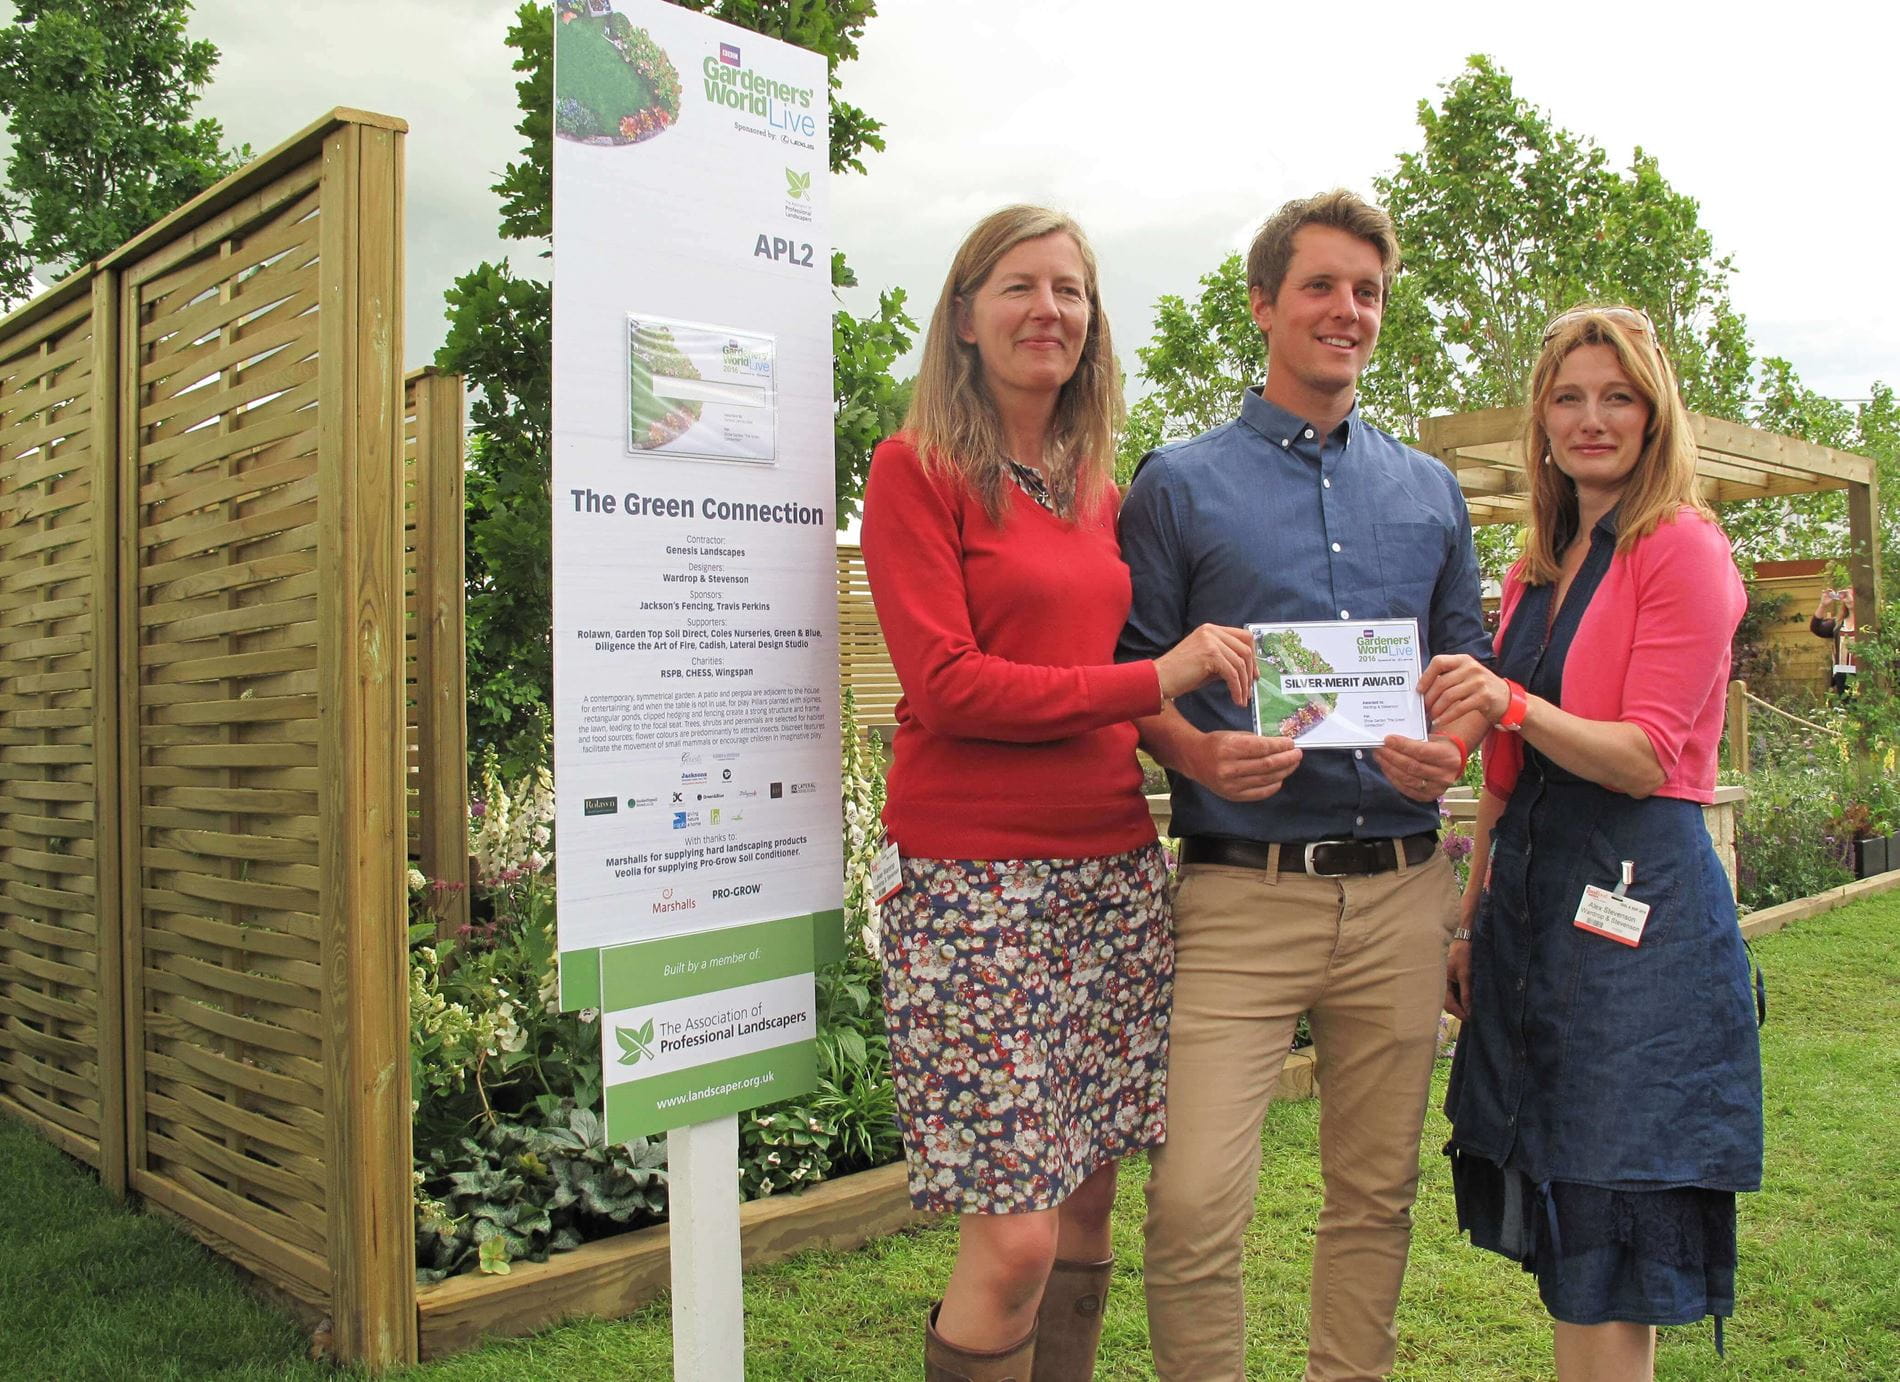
[{"x": 1257, "y": 521}]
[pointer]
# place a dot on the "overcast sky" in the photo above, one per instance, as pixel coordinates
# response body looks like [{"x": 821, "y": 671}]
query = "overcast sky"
[{"x": 1169, "y": 130}]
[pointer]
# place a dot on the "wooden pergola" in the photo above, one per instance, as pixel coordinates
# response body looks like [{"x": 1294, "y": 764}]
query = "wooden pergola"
[{"x": 1485, "y": 451}]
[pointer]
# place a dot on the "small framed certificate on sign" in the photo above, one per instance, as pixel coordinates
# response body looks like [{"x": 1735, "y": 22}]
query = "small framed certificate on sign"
[{"x": 1338, "y": 685}]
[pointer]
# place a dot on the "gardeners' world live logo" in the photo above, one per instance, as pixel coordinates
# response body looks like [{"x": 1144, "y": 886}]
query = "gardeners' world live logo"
[
  {"x": 788, "y": 111},
  {"x": 1371, "y": 643}
]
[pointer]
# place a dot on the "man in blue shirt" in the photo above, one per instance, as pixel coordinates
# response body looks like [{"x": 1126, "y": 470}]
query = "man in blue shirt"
[{"x": 1309, "y": 882}]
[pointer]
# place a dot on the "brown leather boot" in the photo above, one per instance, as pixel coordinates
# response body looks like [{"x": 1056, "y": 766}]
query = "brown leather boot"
[
  {"x": 1069, "y": 1324},
  {"x": 945, "y": 1362}
]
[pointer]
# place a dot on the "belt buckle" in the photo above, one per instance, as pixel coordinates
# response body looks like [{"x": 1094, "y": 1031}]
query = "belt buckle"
[{"x": 1314, "y": 872}]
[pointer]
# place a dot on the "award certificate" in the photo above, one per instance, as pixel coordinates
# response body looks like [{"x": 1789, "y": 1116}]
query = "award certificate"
[
  {"x": 709, "y": 392},
  {"x": 1338, "y": 685}
]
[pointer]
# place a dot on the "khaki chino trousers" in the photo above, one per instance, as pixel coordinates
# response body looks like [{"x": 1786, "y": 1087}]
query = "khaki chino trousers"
[{"x": 1364, "y": 957}]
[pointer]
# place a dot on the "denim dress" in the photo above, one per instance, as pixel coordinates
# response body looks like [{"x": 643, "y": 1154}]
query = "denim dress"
[{"x": 1605, "y": 1099}]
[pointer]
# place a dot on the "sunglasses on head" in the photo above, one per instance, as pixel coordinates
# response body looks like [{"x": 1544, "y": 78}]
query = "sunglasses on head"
[{"x": 1633, "y": 316}]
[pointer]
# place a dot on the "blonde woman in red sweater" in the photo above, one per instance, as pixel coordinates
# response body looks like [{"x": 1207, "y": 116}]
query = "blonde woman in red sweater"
[{"x": 1028, "y": 961}]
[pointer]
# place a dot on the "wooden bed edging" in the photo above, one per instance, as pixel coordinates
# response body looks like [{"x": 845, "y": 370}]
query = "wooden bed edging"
[
  {"x": 1771, "y": 919},
  {"x": 616, "y": 1276}
]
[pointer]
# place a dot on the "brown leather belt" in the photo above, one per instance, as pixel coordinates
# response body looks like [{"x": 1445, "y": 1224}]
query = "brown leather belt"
[{"x": 1321, "y": 858}]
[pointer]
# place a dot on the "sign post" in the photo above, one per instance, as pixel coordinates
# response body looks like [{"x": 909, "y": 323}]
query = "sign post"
[{"x": 695, "y": 631}]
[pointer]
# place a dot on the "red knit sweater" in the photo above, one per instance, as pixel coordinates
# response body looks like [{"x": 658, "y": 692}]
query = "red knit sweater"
[{"x": 1014, "y": 738}]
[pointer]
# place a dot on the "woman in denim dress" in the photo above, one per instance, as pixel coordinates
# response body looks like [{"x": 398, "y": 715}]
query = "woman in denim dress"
[{"x": 1606, "y": 1095}]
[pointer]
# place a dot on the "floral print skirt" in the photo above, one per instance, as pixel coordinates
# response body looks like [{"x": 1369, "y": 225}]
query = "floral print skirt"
[{"x": 1027, "y": 1004}]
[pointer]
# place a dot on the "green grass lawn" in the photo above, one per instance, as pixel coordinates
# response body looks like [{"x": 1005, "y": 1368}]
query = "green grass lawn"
[
  {"x": 88, "y": 1290},
  {"x": 594, "y": 74}
]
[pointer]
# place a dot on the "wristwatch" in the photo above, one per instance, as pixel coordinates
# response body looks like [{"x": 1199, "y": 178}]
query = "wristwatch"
[
  {"x": 1520, "y": 704},
  {"x": 1461, "y": 933}
]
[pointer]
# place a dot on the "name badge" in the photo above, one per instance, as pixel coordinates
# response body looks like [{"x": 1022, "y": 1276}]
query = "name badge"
[
  {"x": 887, "y": 874},
  {"x": 1612, "y": 914}
]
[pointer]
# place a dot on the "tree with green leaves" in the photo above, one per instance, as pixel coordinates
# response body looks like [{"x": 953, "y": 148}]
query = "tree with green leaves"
[
  {"x": 1506, "y": 220},
  {"x": 1203, "y": 354},
  {"x": 499, "y": 340},
  {"x": 98, "y": 96}
]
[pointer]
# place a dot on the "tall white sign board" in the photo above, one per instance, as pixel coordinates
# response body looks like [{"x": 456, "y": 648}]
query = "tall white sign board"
[{"x": 695, "y": 628}]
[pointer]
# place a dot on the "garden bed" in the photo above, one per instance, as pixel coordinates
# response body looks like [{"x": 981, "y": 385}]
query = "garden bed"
[
  {"x": 616, "y": 1276},
  {"x": 612, "y": 1277}
]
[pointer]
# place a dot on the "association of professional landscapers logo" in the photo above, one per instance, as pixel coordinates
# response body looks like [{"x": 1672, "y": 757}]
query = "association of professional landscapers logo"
[
  {"x": 636, "y": 1043},
  {"x": 797, "y": 195}
]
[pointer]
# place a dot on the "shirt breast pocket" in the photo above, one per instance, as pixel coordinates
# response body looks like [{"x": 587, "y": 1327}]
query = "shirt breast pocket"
[{"x": 1410, "y": 557}]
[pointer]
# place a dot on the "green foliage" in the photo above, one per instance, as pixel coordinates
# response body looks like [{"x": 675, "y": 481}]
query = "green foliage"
[
  {"x": 868, "y": 403},
  {"x": 1506, "y": 220},
  {"x": 1203, "y": 354},
  {"x": 510, "y": 1162},
  {"x": 16, "y": 266},
  {"x": 1752, "y": 654},
  {"x": 98, "y": 99},
  {"x": 1814, "y": 788},
  {"x": 1815, "y": 525},
  {"x": 518, "y": 1191},
  {"x": 863, "y": 790},
  {"x": 1871, "y": 710},
  {"x": 499, "y": 341},
  {"x": 1790, "y": 527},
  {"x": 1786, "y": 840},
  {"x": 849, "y": 1123}
]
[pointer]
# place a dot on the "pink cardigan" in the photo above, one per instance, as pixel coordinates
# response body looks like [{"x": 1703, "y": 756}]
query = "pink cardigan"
[{"x": 1652, "y": 650}]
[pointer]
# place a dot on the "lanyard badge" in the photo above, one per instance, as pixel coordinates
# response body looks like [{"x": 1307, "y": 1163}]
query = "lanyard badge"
[
  {"x": 887, "y": 881},
  {"x": 1612, "y": 913},
  {"x": 887, "y": 874}
]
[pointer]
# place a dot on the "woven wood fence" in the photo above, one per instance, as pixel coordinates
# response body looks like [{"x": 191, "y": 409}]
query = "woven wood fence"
[
  {"x": 864, "y": 663},
  {"x": 230, "y": 600},
  {"x": 435, "y": 645}
]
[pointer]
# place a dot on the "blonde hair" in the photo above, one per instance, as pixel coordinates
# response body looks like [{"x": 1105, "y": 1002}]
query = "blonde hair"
[
  {"x": 1664, "y": 477},
  {"x": 953, "y": 421}
]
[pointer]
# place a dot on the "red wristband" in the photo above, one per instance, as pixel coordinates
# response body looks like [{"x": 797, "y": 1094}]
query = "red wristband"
[
  {"x": 1513, "y": 717},
  {"x": 1464, "y": 754}
]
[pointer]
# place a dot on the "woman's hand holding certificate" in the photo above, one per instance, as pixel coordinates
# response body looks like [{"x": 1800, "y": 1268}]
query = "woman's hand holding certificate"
[{"x": 1210, "y": 652}]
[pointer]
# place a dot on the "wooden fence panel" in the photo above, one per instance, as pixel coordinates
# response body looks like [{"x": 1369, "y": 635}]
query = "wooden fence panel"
[
  {"x": 864, "y": 663},
  {"x": 203, "y": 622},
  {"x": 260, "y": 779},
  {"x": 221, "y": 797},
  {"x": 58, "y": 1039},
  {"x": 435, "y": 641}
]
